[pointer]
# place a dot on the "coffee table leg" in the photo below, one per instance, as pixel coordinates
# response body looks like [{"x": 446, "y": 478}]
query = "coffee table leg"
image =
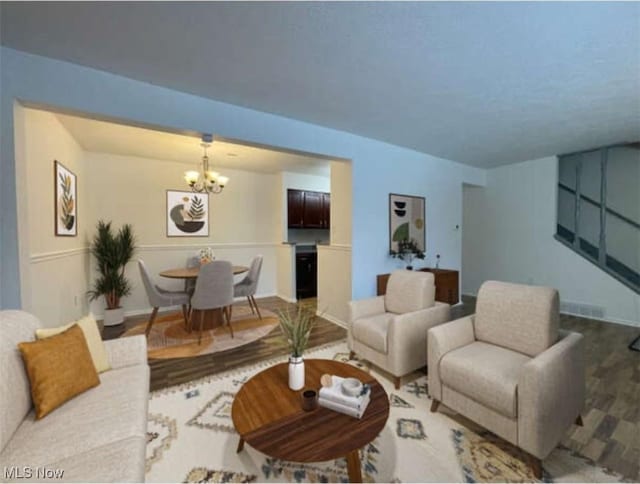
[
  {"x": 240, "y": 445},
  {"x": 353, "y": 466}
]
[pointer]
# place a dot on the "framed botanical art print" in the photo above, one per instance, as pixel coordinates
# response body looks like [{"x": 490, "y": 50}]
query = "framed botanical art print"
[
  {"x": 187, "y": 214},
  {"x": 406, "y": 220},
  {"x": 66, "y": 200}
]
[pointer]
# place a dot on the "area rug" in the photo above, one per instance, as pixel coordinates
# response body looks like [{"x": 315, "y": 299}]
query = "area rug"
[
  {"x": 191, "y": 438},
  {"x": 169, "y": 338}
]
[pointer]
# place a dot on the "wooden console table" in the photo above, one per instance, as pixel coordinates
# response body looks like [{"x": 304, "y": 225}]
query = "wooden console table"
[{"x": 446, "y": 281}]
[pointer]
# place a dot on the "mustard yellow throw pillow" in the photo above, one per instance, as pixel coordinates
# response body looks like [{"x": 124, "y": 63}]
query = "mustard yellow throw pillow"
[
  {"x": 91, "y": 332},
  {"x": 59, "y": 368}
]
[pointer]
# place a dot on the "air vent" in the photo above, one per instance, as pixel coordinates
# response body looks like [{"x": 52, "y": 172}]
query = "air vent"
[{"x": 580, "y": 309}]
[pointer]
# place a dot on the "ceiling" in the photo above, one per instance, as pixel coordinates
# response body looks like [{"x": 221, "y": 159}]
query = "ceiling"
[
  {"x": 118, "y": 139},
  {"x": 480, "y": 83}
]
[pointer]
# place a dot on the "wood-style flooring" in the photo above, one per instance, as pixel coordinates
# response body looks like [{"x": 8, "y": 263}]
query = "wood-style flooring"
[
  {"x": 169, "y": 372},
  {"x": 611, "y": 432}
]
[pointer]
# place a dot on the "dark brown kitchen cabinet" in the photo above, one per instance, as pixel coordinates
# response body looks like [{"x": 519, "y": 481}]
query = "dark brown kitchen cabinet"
[
  {"x": 308, "y": 210},
  {"x": 295, "y": 204},
  {"x": 326, "y": 210}
]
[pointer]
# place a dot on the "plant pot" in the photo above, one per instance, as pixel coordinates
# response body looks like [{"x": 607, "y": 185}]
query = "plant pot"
[
  {"x": 296, "y": 372},
  {"x": 113, "y": 317}
]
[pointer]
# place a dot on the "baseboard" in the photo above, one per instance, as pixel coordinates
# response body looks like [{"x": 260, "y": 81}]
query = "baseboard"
[
  {"x": 331, "y": 319},
  {"x": 287, "y": 299}
]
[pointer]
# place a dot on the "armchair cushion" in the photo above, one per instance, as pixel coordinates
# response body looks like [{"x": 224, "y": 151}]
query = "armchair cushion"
[
  {"x": 372, "y": 331},
  {"x": 518, "y": 317},
  {"x": 366, "y": 307},
  {"x": 485, "y": 373},
  {"x": 409, "y": 291}
]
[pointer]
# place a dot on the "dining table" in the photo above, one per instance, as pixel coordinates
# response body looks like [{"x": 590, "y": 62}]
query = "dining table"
[
  {"x": 192, "y": 272},
  {"x": 212, "y": 318}
]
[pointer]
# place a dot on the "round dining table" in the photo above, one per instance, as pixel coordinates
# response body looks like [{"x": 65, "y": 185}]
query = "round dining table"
[
  {"x": 212, "y": 318},
  {"x": 192, "y": 272}
]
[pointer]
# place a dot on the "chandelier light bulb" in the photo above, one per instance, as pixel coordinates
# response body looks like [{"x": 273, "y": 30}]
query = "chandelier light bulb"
[{"x": 205, "y": 180}]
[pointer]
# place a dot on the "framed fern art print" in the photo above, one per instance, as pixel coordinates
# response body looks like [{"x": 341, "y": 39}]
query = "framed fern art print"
[
  {"x": 66, "y": 200},
  {"x": 187, "y": 214}
]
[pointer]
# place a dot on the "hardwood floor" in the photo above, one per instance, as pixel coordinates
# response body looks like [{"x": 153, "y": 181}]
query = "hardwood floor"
[
  {"x": 611, "y": 432},
  {"x": 169, "y": 372}
]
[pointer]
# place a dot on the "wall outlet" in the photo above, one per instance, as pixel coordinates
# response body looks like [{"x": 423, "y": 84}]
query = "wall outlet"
[{"x": 75, "y": 300}]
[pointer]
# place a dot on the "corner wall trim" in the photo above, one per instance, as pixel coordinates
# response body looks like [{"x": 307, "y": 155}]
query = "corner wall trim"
[
  {"x": 229, "y": 246},
  {"x": 332, "y": 319}
]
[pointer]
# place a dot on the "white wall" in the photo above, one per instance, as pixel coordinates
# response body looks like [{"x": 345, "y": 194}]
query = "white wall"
[
  {"x": 40, "y": 139},
  {"x": 286, "y": 276},
  {"x": 508, "y": 235},
  {"x": 341, "y": 203},
  {"x": 334, "y": 282},
  {"x": 377, "y": 168},
  {"x": 242, "y": 219},
  {"x": 334, "y": 260}
]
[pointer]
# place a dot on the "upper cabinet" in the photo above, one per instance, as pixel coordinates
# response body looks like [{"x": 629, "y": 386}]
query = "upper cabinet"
[
  {"x": 308, "y": 210},
  {"x": 295, "y": 207}
]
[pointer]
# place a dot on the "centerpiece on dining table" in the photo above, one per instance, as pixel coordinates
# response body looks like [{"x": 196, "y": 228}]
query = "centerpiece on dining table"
[{"x": 206, "y": 255}]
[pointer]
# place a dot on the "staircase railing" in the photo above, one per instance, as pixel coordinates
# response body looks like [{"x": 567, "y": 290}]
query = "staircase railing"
[{"x": 598, "y": 254}]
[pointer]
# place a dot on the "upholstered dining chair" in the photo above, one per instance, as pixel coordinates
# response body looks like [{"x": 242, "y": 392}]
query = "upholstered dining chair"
[
  {"x": 190, "y": 284},
  {"x": 159, "y": 297},
  {"x": 509, "y": 368},
  {"x": 214, "y": 290},
  {"x": 247, "y": 287},
  {"x": 391, "y": 330}
]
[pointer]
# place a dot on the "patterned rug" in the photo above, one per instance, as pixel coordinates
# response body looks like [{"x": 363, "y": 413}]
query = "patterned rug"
[
  {"x": 170, "y": 339},
  {"x": 191, "y": 438}
]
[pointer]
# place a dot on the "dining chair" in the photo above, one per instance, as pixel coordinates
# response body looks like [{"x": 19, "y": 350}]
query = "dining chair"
[
  {"x": 160, "y": 298},
  {"x": 190, "y": 284},
  {"x": 247, "y": 287},
  {"x": 214, "y": 290}
]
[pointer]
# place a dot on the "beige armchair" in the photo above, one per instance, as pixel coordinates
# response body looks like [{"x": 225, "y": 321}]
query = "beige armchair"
[
  {"x": 391, "y": 330},
  {"x": 510, "y": 369}
]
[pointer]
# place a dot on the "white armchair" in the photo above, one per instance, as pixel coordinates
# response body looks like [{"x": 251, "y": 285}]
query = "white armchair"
[
  {"x": 510, "y": 369},
  {"x": 391, "y": 330}
]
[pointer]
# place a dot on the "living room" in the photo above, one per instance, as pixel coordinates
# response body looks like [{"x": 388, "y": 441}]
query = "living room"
[{"x": 504, "y": 110}]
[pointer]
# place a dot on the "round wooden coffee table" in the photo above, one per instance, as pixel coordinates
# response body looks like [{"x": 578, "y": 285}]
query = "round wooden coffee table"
[{"x": 269, "y": 417}]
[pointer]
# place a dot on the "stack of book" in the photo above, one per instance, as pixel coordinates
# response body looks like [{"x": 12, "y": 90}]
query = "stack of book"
[{"x": 334, "y": 398}]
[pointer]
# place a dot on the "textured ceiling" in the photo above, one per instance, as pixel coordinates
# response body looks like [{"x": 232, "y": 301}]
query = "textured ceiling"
[
  {"x": 481, "y": 83},
  {"x": 118, "y": 139}
]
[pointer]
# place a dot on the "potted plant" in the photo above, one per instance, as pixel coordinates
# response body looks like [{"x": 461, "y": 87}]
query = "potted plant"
[
  {"x": 112, "y": 253},
  {"x": 407, "y": 251},
  {"x": 296, "y": 327}
]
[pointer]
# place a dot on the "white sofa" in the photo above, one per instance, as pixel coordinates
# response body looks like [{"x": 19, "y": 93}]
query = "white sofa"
[{"x": 98, "y": 436}]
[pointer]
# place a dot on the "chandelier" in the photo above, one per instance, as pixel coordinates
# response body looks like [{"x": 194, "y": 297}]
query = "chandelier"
[{"x": 207, "y": 180}]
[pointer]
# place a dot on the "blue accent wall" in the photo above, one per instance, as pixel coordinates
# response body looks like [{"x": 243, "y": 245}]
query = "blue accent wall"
[{"x": 378, "y": 168}]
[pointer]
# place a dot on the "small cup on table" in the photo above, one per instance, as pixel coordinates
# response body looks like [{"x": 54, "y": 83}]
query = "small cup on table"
[{"x": 309, "y": 399}]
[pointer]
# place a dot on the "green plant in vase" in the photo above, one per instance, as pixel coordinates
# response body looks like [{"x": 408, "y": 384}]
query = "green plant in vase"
[
  {"x": 296, "y": 326},
  {"x": 112, "y": 253},
  {"x": 408, "y": 250}
]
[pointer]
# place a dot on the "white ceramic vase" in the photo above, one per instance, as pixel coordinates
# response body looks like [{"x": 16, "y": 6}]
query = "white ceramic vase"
[
  {"x": 113, "y": 317},
  {"x": 296, "y": 372}
]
